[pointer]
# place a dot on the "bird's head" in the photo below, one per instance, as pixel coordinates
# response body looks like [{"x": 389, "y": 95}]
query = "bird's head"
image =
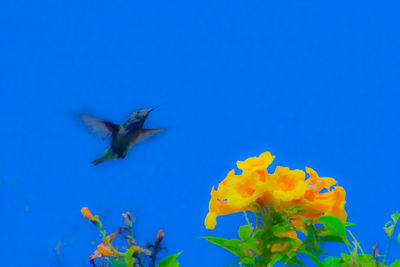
[{"x": 142, "y": 114}]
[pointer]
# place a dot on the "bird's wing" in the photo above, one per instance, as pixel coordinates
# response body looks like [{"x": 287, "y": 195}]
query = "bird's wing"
[
  {"x": 100, "y": 128},
  {"x": 147, "y": 133}
]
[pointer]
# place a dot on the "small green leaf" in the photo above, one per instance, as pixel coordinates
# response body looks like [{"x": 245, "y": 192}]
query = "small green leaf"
[
  {"x": 332, "y": 261},
  {"x": 259, "y": 234},
  {"x": 395, "y": 217},
  {"x": 129, "y": 261},
  {"x": 398, "y": 238},
  {"x": 230, "y": 245},
  {"x": 334, "y": 225},
  {"x": 331, "y": 238},
  {"x": 116, "y": 262},
  {"x": 248, "y": 261},
  {"x": 245, "y": 231},
  {"x": 388, "y": 229},
  {"x": 276, "y": 258},
  {"x": 346, "y": 224},
  {"x": 396, "y": 263},
  {"x": 314, "y": 259},
  {"x": 169, "y": 261},
  {"x": 294, "y": 261}
]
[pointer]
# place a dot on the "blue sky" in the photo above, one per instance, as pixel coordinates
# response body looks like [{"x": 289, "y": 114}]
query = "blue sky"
[{"x": 314, "y": 82}]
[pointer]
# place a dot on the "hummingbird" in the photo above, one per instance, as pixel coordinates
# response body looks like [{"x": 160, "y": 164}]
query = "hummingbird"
[{"x": 123, "y": 136}]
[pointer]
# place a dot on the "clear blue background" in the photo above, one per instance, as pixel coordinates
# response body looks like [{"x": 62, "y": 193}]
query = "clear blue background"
[{"x": 314, "y": 82}]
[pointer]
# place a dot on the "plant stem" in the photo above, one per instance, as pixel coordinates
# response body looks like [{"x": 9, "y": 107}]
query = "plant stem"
[
  {"x": 387, "y": 249},
  {"x": 355, "y": 240}
]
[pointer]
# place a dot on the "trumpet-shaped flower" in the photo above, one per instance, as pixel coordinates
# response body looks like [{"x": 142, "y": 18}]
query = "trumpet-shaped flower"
[
  {"x": 286, "y": 185},
  {"x": 105, "y": 248},
  {"x": 256, "y": 163},
  {"x": 317, "y": 182},
  {"x": 282, "y": 189},
  {"x": 86, "y": 213},
  {"x": 217, "y": 208}
]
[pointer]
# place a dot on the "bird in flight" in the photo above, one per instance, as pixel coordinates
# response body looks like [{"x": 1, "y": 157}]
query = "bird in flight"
[{"x": 123, "y": 136}]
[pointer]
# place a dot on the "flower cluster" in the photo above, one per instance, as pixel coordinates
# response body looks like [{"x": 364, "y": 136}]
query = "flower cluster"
[
  {"x": 282, "y": 189},
  {"x": 134, "y": 255}
]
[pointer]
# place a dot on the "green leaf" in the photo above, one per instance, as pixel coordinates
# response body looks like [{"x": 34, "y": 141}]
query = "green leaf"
[
  {"x": 331, "y": 238},
  {"x": 312, "y": 239},
  {"x": 230, "y": 245},
  {"x": 395, "y": 217},
  {"x": 116, "y": 262},
  {"x": 294, "y": 261},
  {"x": 248, "y": 261},
  {"x": 333, "y": 225},
  {"x": 366, "y": 260},
  {"x": 250, "y": 244},
  {"x": 396, "y": 263},
  {"x": 129, "y": 261},
  {"x": 276, "y": 258},
  {"x": 388, "y": 229},
  {"x": 314, "y": 259},
  {"x": 332, "y": 261},
  {"x": 259, "y": 234},
  {"x": 170, "y": 261},
  {"x": 346, "y": 224},
  {"x": 245, "y": 231},
  {"x": 398, "y": 238}
]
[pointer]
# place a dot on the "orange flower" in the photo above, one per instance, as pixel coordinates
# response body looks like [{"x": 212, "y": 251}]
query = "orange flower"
[
  {"x": 317, "y": 182},
  {"x": 336, "y": 199},
  {"x": 286, "y": 185},
  {"x": 256, "y": 163},
  {"x": 86, "y": 213},
  {"x": 217, "y": 208},
  {"x": 328, "y": 203},
  {"x": 239, "y": 192},
  {"x": 106, "y": 248},
  {"x": 282, "y": 189}
]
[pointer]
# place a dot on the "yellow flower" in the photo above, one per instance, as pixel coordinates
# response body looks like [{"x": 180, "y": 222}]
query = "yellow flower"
[
  {"x": 256, "y": 163},
  {"x": 286, "y": 185},
  {"x": 282, "y": 189},
  {"x": 317, "y": 182},
  {"x": 329, "y": 203},
  {"x": 337, "y": 200},
  {"x": 239, "y": 192},
  {"x": 217, "y": 208}
]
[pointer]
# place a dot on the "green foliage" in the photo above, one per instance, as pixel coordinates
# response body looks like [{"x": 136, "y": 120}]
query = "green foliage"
[
  {"x": 245, "y": 231},
  {"x": 272, "y": 238},
  {"x": 334, "y": 226},
  {"x": 170, "y": 261},
  {"x": 395, "y": 264},
  {"x": 231, "y": 245},
  {"x": 128, "y": 258},
  {"x": 117, "y": 262},
  {"x": 398, "y": 238}
]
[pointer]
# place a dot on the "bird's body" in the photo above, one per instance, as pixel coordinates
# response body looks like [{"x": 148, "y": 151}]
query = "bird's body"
[{"x": 123, "y": 136}]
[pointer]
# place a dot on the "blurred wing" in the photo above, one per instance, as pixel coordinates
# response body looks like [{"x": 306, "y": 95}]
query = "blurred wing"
[
  {"x": 98, "y": 127},
  {"x": 147, "y": 133}
]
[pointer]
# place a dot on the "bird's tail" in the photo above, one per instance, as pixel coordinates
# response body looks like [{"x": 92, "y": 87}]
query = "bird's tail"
[{"x": 106, "y": 155}]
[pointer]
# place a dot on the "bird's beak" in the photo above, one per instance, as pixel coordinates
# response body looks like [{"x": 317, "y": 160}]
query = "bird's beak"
[{"x": 156, "y": 107}]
